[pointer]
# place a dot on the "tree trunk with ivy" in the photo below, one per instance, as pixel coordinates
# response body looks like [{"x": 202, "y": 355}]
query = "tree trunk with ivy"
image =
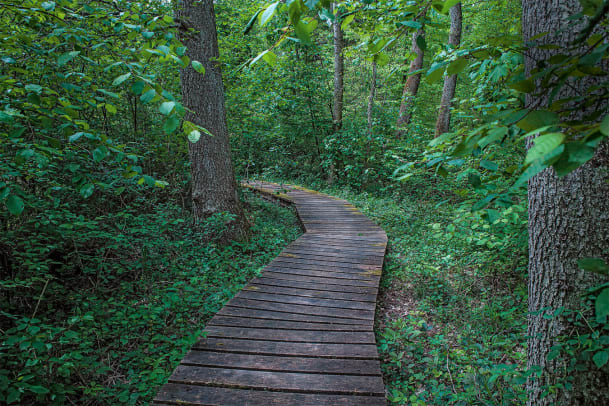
[
  {"x": 214, "y": 188},
  {"x": 450, "y": 81},
  {"x": 568, "y": 220}
]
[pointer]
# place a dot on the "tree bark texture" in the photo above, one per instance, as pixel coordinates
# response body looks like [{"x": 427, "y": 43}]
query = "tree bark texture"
[
  {"x": 411, "y": 87},
  {"x": 450, "y": 82},
  {"x": 568, "y": 220},
  {"x": 371, "y": 98},
  {"x": 339, "y": 69},
  {"x": 214, "y": 188}
]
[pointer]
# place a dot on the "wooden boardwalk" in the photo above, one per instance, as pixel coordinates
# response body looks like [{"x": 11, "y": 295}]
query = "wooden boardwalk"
[{"x": 301, "y": 333}]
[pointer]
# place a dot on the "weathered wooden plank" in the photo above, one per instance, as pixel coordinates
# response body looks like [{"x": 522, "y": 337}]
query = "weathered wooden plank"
[
  {"x": 302, "y": 309},
  {"x": 294, "y": 336},
  {"x": 320, "y": 350},
  {"x": 285, "y": 381},
  {"x": 215, "y": 396},
  {"x": 313, "y": 270},
  {"x": 312, "y": 301},
  {"x": 300, "y": 291},
  {"x": 274, "y": 324},
  {"x": 282, "y": 364},
  {"x": 266, "y": 280},
  {"x": 321, "y": 280},
  {"x": 289, "y": 316}
]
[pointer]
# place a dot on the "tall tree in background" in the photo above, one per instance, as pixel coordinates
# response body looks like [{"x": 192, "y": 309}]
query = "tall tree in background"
[
  {"x": 450, "y": 81},
  {"x": 339, "y": 69},
  {"x": 411, "y": 88},
  {"x": 214, "y": 188},
  {"x": 568, "y": 220}
]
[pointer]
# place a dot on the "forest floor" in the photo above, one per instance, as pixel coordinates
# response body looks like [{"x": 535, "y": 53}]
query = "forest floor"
[{"x": 451, "y": 318}]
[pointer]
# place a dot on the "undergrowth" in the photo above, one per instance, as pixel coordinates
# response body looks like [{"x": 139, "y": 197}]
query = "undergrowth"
[{"x": 110, "y": 313}]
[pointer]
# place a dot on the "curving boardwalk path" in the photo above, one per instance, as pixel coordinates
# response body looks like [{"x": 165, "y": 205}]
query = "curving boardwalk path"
[{"x": 300, "y": 333}]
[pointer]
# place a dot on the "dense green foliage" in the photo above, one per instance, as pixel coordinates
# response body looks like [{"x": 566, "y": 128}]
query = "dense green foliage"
[{"x": 105, "y": 280}]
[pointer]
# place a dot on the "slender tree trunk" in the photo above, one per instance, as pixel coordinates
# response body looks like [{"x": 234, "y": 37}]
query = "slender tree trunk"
[
  {"x": 214, "y": 188},
  {"x": 339, "y": 68},
  {"x": 411, "y": 88},
  {"x": 450, "y": 82},
  {"x": 568, "y": 219},
  {"x": 371, "y": 100}
]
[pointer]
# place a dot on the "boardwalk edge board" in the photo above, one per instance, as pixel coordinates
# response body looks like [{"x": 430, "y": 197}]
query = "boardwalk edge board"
[{"x": 301, "y": 333}]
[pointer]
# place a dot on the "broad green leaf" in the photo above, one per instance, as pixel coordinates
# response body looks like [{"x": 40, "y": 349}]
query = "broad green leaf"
[
  {"x": 167, "y": 107},
  {"x": 448, "y": 4},
  {"x": 602, "y": 306},
  {"x": 121, "y": 79},
  {"x": 171, "y": 124},
  {"x": 99, "y": 154},
  {"x": 33, "y": 88},
  {"x": 347, "y": 21},
  {"x": 294, "y": 11},
  {"x": 543, "y": 145},
  {"x": 48, "y": 5},
  {"x": 87, "y": 190},
  {"x": 528, "y": 173},
  {"x": 537, "y": 119},
  {"x": 194, "y": 136},
  {"x": 148, "y": 95},
  {"x": 601, "y": 358},
  {"x": 523, "y": 86},
  {"x": 420, "y": 40},
  {"x": 596, "y": 265},
  {"x": 15, "y": 205},
  {"x": 198, "y": 67},
  {"x": 489, "y": 165},
  {"x": 456, "y": 67},
  {"x": 67, "y": 57},
  {"x": 268, "y": 13},
  {"x": 435, "y": 74},
  {"x": 270, "y": 58},
  {"x": 111, "y": 108},
  {"x": 412, "y": 24}
]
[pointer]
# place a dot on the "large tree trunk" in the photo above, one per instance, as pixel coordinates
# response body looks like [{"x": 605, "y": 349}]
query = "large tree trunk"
[
  {"x": 450, "y": 82},
  {"x": 568, "y": 219},
  {"x": 339, "y": 68},
  {"x": 214, "y": 188},
  {"x": 371, "y": 99},
  {"x": 411, "y": 88}
]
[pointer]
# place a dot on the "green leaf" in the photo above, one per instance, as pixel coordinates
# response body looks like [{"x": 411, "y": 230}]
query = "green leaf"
[
  {"x": 412, "y": 24},
  {"x": 596, "y": 265},
  {"x": 87, "y": 190},
  {"x": 489, "y": 165},
  {"x": 270, "y": 58},
  {"x": 48, "y": 5},
  {"x": 148, "y": 96},
  {"x": 602, "y": 306},
  {"x": 448, "y": 4},
  {"x": 604, "y": 127},
  {"x": 420, "y": 41},
  {"x": 294, "y": 11},
  {"x": 194, "y": 136},
  {"x": 600, "y": 358},
  {"x": 167, "y": 107},
  {"x": 67, "y": 57},
  {"x": 268, "y": 13},
  {"x": 347, "y": 21},
  {"x": 33, "y": 88},
  {"x": 111, "y": 108},
  {"x": 544, "y": 144},
  {"x": 524, "y": 86},
  {"x": 435, "y": 74},
  {"x": 171, "y": 124},
  {"x": 456, "y": 67},
  {"x": 15, "y": 205},
  {"x": 38, "y": 389},
  {"x": 537, "y": 119},
  {"x": 121, "y": 79},
  {"x": 198, "y": 66},
  {"x": 99, "y": 154},
  {"x": 251, "y": 22}
]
